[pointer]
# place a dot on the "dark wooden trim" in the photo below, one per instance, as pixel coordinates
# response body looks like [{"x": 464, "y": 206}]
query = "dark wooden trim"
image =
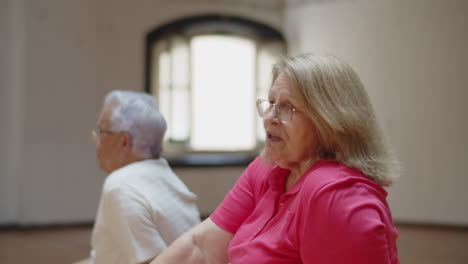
[{"x": 210, "y": 160}]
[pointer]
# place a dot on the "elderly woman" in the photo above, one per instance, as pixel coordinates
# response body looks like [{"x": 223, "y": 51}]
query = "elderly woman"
[{"x": 315, "y": 195}]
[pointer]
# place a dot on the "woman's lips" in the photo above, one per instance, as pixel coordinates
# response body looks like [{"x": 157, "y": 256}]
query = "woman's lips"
[{"x": 273, "y": 138}]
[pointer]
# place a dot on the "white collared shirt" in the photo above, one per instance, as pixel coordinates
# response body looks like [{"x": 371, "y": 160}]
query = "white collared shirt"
[{"x": 144, "y": 207}]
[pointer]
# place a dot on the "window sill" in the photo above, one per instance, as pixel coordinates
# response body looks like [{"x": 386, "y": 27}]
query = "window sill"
[{"x": 211, "y": 160}]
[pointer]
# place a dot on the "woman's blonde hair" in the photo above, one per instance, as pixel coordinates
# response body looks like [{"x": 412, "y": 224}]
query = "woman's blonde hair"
[{"x": 341, "y": 110}]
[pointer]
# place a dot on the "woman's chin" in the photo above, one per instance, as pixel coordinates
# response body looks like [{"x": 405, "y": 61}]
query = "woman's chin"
[{"x": 269, "y": 156}]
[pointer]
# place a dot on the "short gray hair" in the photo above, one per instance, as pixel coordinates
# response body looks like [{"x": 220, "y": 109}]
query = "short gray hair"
[
  {"x": 341, "y": 111},
  {"x": 137, "y": 114}
]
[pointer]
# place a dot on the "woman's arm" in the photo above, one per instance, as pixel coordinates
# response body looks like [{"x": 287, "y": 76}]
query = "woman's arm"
[{"x": 206, "y": 243}]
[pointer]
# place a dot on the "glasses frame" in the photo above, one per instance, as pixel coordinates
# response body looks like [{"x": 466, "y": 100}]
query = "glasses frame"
[
  {"x": 277, "y": 111},
  {"x": 98, "y": 131}
]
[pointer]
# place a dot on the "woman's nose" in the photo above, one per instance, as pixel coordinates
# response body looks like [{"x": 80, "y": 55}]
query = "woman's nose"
[{"x": 271, "y": 116}]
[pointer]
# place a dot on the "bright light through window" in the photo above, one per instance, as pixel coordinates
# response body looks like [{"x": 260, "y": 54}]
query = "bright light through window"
[
  {"x": 223, "y": 93},
  {"x": 266, "y": 60}
]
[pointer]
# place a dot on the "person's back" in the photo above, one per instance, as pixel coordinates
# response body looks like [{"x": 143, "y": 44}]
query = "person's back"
[{"x": 144, "y": 207}]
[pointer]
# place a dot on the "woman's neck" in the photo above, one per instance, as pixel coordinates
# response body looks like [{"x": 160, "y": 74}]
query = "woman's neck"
[{"x": 298, "y": 171}]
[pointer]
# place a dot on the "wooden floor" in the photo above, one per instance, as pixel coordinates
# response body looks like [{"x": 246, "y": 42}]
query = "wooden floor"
[{"x": 61, "y": 245}]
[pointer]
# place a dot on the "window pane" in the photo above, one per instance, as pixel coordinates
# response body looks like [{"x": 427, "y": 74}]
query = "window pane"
[
  {"x": 164, "y": 85},
  {"x": 180, "y": 117},
  {"x": 267, "y": 56},
  {"x": 223, "y": 93},
  {"x": 174, "y": 88}
]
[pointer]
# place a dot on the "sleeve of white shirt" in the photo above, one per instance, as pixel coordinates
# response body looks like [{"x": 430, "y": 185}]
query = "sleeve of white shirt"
[{"x": 132, "y": 225}]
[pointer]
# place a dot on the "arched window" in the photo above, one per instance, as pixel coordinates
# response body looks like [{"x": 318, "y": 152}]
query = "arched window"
[{"x": 206, "y": 73}]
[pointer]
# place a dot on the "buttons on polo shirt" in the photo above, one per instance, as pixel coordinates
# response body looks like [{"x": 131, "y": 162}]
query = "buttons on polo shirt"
[{"x": 282, "y": 199}]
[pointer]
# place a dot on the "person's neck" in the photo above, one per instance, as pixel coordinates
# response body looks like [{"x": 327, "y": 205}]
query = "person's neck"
[
  {"x": 133, "y": 157},
  {"x": 129, "y": 159},
  {"x": 298, "y": 171}
]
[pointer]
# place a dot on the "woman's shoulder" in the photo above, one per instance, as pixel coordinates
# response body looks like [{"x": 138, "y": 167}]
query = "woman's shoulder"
[
  {"x": 334, "y": 176},
  {"x": 262, "y": 175},
  {"x": 260, "y": 169}
]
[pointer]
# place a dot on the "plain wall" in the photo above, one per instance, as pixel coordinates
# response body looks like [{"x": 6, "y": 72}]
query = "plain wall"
[
  {"x": 4, "y": 110},
  {"x": 11, "y": 112},
  {"x": 412, "y": 57},
  {"x": 59, "y": 180}
]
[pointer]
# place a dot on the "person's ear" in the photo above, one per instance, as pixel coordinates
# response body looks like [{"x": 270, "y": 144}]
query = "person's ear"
[{"x": 126, "y": 141}]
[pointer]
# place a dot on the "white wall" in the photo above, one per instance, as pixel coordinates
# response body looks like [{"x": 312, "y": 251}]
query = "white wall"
[
  {"x": 5, "y": 83},
  {"x": 12, "y": 22},
  {"x": 61, "y": 57},
  {"x": 59, "y": 179},
  {"x": 412, "y": 56}
]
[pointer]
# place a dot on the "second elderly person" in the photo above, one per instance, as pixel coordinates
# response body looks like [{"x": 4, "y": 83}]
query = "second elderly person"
[{"x": 144, "y": 206}]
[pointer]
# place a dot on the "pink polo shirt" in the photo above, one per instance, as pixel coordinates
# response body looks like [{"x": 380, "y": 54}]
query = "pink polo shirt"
[{"x": 333, "y": 214}]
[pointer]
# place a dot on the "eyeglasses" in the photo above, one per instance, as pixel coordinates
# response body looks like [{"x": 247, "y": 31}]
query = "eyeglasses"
[
  {"x": 98, "y": 131},
  {"x": 283, "y": 111}
]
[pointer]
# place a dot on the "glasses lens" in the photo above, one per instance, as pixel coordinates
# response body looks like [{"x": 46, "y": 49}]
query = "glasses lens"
[
  {"x": 284, "y": 112},
  {"x": 263, "y": 107},
  {"x": 94, "y": 133}
]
